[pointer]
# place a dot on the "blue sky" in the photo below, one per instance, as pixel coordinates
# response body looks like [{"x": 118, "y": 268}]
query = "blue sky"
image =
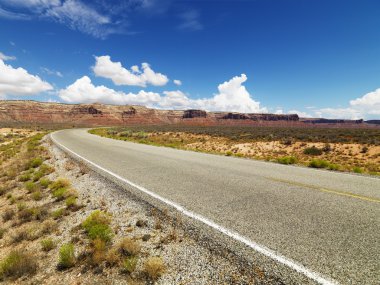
[{"x": 319, "y": 58}]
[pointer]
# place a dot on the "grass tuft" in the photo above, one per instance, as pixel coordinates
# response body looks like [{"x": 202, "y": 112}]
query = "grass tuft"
[{"x": 66, "y": 256}]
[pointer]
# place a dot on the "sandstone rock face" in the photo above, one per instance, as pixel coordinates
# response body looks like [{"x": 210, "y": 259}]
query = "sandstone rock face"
[
  {"x": 13, "y": 113},
  {"x": 189, "y": 114}
]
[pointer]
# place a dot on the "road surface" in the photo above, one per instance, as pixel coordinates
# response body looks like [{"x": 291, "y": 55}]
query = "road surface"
[{"x": 327, "y": 222}]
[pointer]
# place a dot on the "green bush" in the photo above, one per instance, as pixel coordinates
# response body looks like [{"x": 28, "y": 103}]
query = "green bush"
[
  {"x": 59, "y": 193},
  {"x": 17, "y": 264},
  {"x": 312, "y": 151},
  {"x": 30, "y": 186},
  {"x": 97, "y": 225},
  {"x": 58, "y": 213},
  {"x": 36, "y": 162},
  {"x": 24, "y": 177},
  {"x": 287, "y": 160},
  {"x": 318, "y": 163},
  {"x": 129, "y": 264},
  {"x": 47, "y": 244},
  {"x": 38, "y": 175},
  {"x": 71, "y": 202},
  {"x": 229, "y": 153},
  {"x": 45, "y": 182},
  {"x": 357, "y": 169},
  {"x": 66, "y": 256}
]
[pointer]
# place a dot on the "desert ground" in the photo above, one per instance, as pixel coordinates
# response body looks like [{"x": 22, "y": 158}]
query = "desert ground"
[{"x": 349, "y": 150}]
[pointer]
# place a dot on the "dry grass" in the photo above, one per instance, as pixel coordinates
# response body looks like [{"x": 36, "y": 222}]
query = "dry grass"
[
  {"x": 129, "y": 247},
  {"x": 154, "y": 267},
  {"x": 17, "y": 264}
]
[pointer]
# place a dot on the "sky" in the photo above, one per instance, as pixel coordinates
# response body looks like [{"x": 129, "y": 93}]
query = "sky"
[{"x": 316, "y": 58}]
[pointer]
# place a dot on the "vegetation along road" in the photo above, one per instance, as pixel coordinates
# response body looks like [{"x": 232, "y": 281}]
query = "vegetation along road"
[{"x": 321, "y": 225}]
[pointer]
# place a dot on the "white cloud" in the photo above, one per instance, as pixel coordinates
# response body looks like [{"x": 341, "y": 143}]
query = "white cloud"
[
  {"x": 363, "y": 107},
  {"x": 105, "y": 67},
  {"x": 177, "y": 82},
  {"x": 83, "y": 91},
  {"x": 51, "y": 72},
  {"x": 17, "y": 81},
  {"x": 6, "y": 57},
  {"x": 232, "y": 97}
]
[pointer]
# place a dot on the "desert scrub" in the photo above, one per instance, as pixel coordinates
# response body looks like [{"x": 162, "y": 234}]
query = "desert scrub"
[
  {"x": 154, "y": 267},
  {"x": 357, "y": 169},
  {"x": 25, "y": 177},
  {"x": 36, "y": 162},
  {"x": 319, "y": 163},
  {"x": 66, "y": 256},
  {"x": 129, "y": 264},
  {"x": 38, "y": 175},
  {"x": 97, "y": 226},
  {"x": 47, "y": 244},
  {"x": 45, "y": 182},
  {"x": 17, "y": 264},
  {"x": 59, "y": 213},
  {"x": 287, "y": 160},
  {"x": 59, "y": 183},
  {"x": 37, "y": 195},
  {"x": 31, "y": 186},
  {"x": 312, "y": 151},
  {"x": 129, "y": 247},
  {"x": 71, "y": 202}
]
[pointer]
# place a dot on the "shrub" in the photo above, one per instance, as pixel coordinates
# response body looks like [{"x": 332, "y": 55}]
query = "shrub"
[
  {"x": 58, "y": 213},
  {"x": 364, "y": 149},
  {"x": 129, "y": 264},
  {"x": 38, "y": 175},
  {"x": 24, "y": 177},
  {"x": 8, "y": 214},
  {"x": 66, "y": 256},
  {"x": 46, "y": 169},
  {"x": 36, "y": 162},
  {"x": 333, "y": 166},
  {"x": 97, "y": 226},
  {"x": 47, "y": 244},
  {"x": 318, "y": 163},
  {"x": 129, "y": 247},
  {"x": 20, "y": 235},
  {"x": 357, "y": 169},
  {"x": 59, "y": 183},
  {"x": 30, "y": 186},
  {"x": 327, "y": 148},
  {"x": 37, "y": 195},
  {"x": 59, "y": 194},
  {"x": 2, "y": 191},
  {"x": 45, "y": 182},
  {"x": 229, "y": 153},
  {"x": 17, "y": 264},
  {"x": 287, "y": 160},
  {"x": 48, "y": 226},
  {"x": 99, "y": 251},
  {"x": 154, "y": 267},
  {"x": 71, "y": 202},
  {"x": 312, "y": 151}
]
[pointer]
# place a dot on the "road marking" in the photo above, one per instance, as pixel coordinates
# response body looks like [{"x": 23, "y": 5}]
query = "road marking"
[
  {"x": 317, "y": 277},
  {"x": 337, "y": 192}
]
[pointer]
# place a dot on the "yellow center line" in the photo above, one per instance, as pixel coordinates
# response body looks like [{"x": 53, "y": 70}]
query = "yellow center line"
[{"x": 337, "y": 192}]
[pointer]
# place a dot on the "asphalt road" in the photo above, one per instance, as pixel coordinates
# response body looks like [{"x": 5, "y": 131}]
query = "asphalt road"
[{"x": 328, "y": 222}]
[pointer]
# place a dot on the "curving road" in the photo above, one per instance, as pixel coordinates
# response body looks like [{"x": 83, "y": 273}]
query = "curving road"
[{"x": 324, "y": 223}]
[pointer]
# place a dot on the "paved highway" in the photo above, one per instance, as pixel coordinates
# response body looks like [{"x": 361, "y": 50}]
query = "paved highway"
[{"x": 324, "y": 223}]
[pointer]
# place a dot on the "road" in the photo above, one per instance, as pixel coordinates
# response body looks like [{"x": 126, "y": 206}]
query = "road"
[{"x": 327, "y": 222}]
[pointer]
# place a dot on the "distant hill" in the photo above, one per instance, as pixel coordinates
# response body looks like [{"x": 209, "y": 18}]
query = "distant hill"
[{"x": 15, "y": 113}]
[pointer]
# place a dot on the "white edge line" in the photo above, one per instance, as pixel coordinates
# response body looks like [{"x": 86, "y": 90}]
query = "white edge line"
[{"x": 317, "y": 277}]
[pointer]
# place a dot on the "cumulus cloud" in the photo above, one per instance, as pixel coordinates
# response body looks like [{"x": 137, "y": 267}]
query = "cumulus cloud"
[
  {"x": 177, "y": 82},
  {"x": 105, "y": 67},
  {"x": 18, "y": 82},
  {"x": 84, "y": 91},
  {"x": 232, "y": 97},
  {"x": 6, "y": 57}
]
